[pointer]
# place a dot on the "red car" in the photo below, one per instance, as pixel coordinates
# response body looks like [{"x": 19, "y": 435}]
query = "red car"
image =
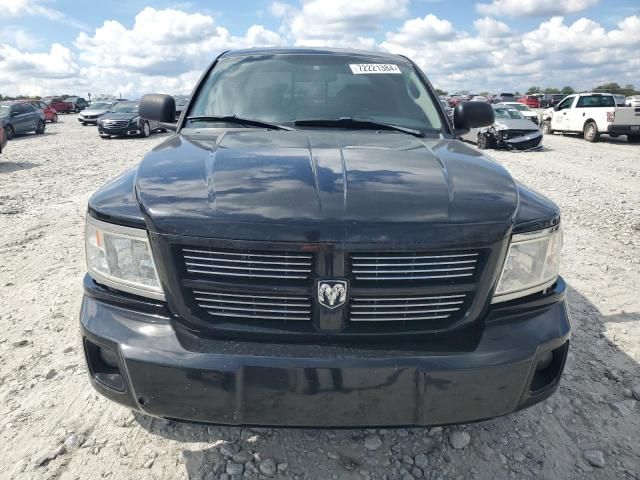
[
  {"x": 61, "y": 106},
  {"x": 3, "y": 139},
  {"x": 50, "y": 113},
  {"x": 530, "y": 101}
]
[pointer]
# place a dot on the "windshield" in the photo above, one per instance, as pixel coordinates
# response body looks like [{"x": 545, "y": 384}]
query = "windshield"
[
  {"x": 508, "y": 113},
  {"x": 100, "y": 106},
  {"x": 285, "y": 88},
  {"x": 125, "y": 107},
  {"x": 520, "y": 106}
]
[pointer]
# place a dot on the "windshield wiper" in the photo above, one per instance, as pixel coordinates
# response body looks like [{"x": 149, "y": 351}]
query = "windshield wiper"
[
  {"x": 238, "y": 120},
  {"x": 356, "y": 123}
]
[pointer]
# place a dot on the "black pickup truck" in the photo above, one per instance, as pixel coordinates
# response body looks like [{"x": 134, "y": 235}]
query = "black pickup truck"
[{"x": 313, "y": 247}]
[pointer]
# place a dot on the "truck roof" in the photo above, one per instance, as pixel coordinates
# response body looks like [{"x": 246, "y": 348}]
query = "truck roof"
[{"x": 312, "y": 51}]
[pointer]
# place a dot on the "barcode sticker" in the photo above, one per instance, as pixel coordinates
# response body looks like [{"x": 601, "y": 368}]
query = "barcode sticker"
[{"x": 368, "y": 68}]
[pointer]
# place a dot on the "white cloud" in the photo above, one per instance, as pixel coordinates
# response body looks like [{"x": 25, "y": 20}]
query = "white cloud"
[
  {"x": 423, "y": 29},
  {"x": 18, "y": 8},
  {"x": 533, "y": 8},
  {"x": 582, "y": 54},
  {"x": 338, "y": 22}
]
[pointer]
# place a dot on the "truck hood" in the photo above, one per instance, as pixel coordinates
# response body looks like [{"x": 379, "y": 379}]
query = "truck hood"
[{"x": 314, "y": 185}]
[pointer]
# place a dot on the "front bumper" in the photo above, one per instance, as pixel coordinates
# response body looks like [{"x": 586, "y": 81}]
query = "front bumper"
[
  {"x": 92, "y": 121},
  {"x": 529, "y": 141},
  {"x": 167, "y": 371},
  {"x": 130, "y": 130}
]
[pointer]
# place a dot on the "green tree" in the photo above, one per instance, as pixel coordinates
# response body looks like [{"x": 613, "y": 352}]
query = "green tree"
[
  {"x": 567, "y": 91},
  {"x": 533, "y": 90},
  {"x": 440, "y": 92},
  {"x": 551, "y": 90}
]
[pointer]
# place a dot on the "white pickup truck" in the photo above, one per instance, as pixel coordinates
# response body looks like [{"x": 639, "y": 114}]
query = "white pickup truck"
[{"x": 592, "y": 114}]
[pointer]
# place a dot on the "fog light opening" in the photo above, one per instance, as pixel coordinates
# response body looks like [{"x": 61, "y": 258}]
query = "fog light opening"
[
  {"x": 549, "y": 366},
  {"x": 104, "y": 366}
]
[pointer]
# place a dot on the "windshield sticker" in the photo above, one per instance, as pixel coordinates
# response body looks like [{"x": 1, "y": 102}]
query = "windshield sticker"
[{"x": 368, "y": 68}]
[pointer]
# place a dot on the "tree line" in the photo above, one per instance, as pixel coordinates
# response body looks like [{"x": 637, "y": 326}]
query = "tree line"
[{"x": 611, "y": 87}]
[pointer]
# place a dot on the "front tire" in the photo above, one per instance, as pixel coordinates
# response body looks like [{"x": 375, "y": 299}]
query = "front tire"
[
  {"x": 40, "y": 127},
  {"x": 546, "y": 128},
  {"x": 591, "y": 133},
  {"x": 9, "y": 132},
  {"x": 485, "y": 141},
  {"x": 145, "y": 131}
]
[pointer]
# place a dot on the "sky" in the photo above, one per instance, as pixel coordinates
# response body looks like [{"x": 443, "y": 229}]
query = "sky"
[{"x": 128, "y": 48}]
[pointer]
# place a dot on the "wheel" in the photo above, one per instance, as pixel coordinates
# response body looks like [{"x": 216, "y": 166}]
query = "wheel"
[
  {"x": 145, "y": 131},
  {"x": 633, "y": 138},
  {"x": 10, "y": 132},
  {"x": 591, "y": 133},
  {"x": 546, "y": 128},
  {"x": 485, "y": 141},
  {"x": 40, "y": 127}
]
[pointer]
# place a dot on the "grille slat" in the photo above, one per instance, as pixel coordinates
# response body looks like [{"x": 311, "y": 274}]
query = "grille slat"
[
  {"x": 221, "y": 305},
  {"x": 415, "y": 266},
  {"x": 394, "y": 309},
  {"x": 249, "y": 264}
]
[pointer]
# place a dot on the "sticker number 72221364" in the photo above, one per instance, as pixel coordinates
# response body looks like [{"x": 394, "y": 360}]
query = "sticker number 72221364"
[{"x": 367, "y": 68}]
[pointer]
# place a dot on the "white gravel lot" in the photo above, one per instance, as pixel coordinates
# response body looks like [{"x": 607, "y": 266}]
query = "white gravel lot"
[{"x": 53, "y": 425}]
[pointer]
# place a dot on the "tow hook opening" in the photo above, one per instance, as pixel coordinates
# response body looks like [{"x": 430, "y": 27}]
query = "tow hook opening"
[
  {"x": 104, "y": 365},
  {"x": 549, "y": 366}
]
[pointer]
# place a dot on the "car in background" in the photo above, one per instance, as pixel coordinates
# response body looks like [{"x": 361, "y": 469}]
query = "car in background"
[
  {"x": 620, "y": 100},
  {"x": 551, "y": 99},
  {"x": 592, "y": 115},
  {"x": 632, "y": 101},
  {"x": 60, "y": 105},
  {"x": 93, "y": 112},
  {"x": 504, "y": 98},
  {"x": 530, "y": 101},
  {"x": 50, "y": 113},
  {"x": 123, "y": 120},
  {"x": 479, "y": 98},
  {"x": 510, "y": 131},
  {"x": 523, "y": 109},
  {"x": 3, "y": 139},
  {"x": 181, "y": 102},
  {"x": 78, "y": 103},
  {"x": 18, "y": 118},
  {"x": 447, "y": 109}
]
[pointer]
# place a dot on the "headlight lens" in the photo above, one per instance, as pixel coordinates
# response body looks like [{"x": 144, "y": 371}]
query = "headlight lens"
[
  {"x": 135, "y": 120},
  {"x": 532, "y": 264},
  {"x": 120, "y": 257}
]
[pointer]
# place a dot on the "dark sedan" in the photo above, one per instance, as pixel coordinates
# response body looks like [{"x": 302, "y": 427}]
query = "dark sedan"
[
  {"x": 18, "y": 118},
  {"x": 124, "y": 121},
  {"x": 3, "y": 139}
]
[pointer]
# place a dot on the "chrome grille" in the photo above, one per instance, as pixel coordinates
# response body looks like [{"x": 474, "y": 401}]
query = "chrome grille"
[
  {"x": 115, "y": 123},
  {"x": 394, "y": 309},
  {"x": 405, "y": 266},
  {"x": 250, "y": 264},
  {"x": 248, "y": 306}
]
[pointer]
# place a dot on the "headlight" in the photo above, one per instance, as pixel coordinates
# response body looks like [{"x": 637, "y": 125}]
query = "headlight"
[
  {"x": 500, "y": 126},
  {"x": 532, "y": 264},
  {"x": 135, "y": 120},
  {"x": 121, "y": 258}
]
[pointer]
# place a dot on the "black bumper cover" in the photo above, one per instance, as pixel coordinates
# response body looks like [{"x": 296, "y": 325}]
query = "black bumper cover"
[{"x": 170, "y": 373}]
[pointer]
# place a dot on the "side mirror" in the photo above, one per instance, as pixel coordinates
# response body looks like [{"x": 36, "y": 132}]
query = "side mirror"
[
  {"x": 468, "y": 115},
  {"x": 158, "y": 107}
]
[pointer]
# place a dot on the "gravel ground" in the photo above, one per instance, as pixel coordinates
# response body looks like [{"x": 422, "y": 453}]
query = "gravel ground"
[{"x": 53, "y": 425}]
